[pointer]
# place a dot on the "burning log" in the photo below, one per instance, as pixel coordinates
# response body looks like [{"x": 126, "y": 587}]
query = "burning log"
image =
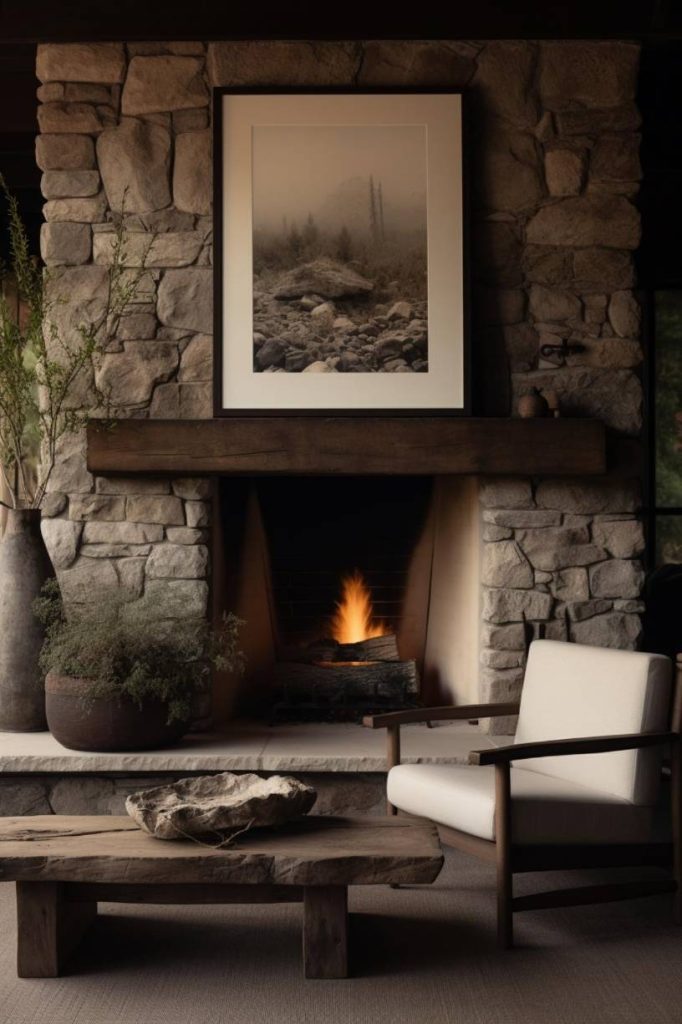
[{"x": 376, "y": 648}]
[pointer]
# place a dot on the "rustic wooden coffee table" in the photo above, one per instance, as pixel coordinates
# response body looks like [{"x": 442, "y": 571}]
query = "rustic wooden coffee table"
[{"x": 64, "y": 865}]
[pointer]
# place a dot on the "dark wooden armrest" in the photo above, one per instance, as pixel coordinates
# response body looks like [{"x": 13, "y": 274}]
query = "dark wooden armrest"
[
  {"x": 462, "y": 712},
  {"x": 582, "y": 745}
]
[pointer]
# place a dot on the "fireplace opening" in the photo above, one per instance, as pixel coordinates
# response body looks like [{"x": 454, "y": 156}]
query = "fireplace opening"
[{"x": 346, "y": 608}]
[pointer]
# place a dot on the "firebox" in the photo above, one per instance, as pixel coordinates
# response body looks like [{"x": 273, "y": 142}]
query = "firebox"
[{"x": 346, "y": 608}]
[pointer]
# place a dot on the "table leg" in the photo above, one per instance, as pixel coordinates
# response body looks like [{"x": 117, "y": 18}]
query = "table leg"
[
  {"x": 325, "y": 931},
  {"x": 48, "y": 928}
]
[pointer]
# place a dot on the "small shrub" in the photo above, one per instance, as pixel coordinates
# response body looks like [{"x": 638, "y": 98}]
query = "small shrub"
[{"x": 130, "y": 653}]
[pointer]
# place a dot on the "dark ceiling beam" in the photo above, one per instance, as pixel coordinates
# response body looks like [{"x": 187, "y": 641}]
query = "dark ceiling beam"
[{"x": 73, "y": 20}]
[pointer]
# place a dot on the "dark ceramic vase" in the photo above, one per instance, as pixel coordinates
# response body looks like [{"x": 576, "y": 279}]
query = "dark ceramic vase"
[
  {"x": 80, "y": 721},
  {"x": 24, "y": 567}
]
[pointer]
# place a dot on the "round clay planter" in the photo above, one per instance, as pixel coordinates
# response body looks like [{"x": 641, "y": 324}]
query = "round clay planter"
[
  {"x": 24, "y": 567},
  {"x": 81, "y": 722}
]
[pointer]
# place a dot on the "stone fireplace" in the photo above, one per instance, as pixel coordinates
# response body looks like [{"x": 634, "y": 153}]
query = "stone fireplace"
[{"x": 554, "y": 175}]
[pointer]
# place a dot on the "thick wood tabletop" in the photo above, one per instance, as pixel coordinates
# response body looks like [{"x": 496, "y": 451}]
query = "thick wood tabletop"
[{"x": 312, "y": 851}]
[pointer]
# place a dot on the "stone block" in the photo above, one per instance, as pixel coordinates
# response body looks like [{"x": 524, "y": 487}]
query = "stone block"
[
  {"x": 173, "y": 599},
  {"x": 96, "y": 506},
  {"x": 50, "y": 92},
  {"x": 21, "y": 795},
  {"x": 129, "y": 551},
  {"x": 61, "y": 538},
  {"x": 553, "y": 303},
  {"x": 64, "y": 244},
  {"x": 192, "y": 172},
  {"x": 544, "y": 265},
  {"x": 533, "y": 518},
  {"x": 179, "y": 561},
  {"x": 516, "y": 605},
  {"x": 571, "y": 585},
  {"x": 185, "y": 535},
  {"x": 280, "y": 62},
  {"x": 504, "y": 565},
  {"x": 131, "y": 485},
  {"x": 616, "y": 158},
  {"x": 503, "y": 638},
  {"x": 186, "y": 299},
  {"x": 506, "y": 492},
  {"x": 622, "y": 538},
  {"x": 89, "y": 92},
  {"x": 625, "y": 314},
  {"x": 556, "y": 548},
  {"x": 196, "y": 363},
  {"x": 510, "y": 177},
  {"x": 70, "y": 118},
  {"x": 598, "y": 219},
  {"x": 164, "y": 82},
  {"x": 65, "y": 152},
  {"x": 614, "y": 629},
  {"x": 86, "y": 578},
  {"x": 502, "y": 659},
  {"x": 580, "y": 611},
  {"x": 404, "y": 62},
  {"x": 69, "y": 184},
  {"x": 82, "y": 795},
  {"x": 492, "y": 533},
  {"x": 53, "y": 504},
  {"x": 155, "y": 508},
  {"x": 128, "y": 377},
  {"x": 592, "y": 73},
  {"x": 618, "y": 577},
  {"x": 198, "y": 513},
  {"x": 600, "y": 270},
  {"x": 192, "y": 120},
  {"x": 81, "y": 211},
  {"x": 182, "y": 401},
  {"x": 585, "y": 496},
  {"x": 170, "y": 249},
  {"x": 192, "y": 488},
  {"x": 121, "y": 533},
  {"x": 504, "y": 78},
  {"x": 134, "y": 161},
  {"x": 608, "y": 353},
  {"x": 69, "y": 474},
  {"x": 80, "y": 62},
  {"x": 564, "y": 172},
  {"x": 583, "y": 122}
]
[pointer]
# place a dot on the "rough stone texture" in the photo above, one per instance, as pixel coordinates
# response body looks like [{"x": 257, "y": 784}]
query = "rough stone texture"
[
  {"x": 71, "y": 183},
  {"x": 556, "y": 168},
  {"x": 80, "y": 62},
  {"x": 564, "y": 172},
  {"x": 185, "y": 299},
  {"x": 221, "y": 803},
  {"x": 598, "y": 219},
  {"x": 322, "y": 277},
  {"x": 65, "y": 244},
  {"x": 617, "y": 578},
  {"x": 134, "y": 161},
  {"x": 192, "y": 172},
  {"x": 179, "y": 561},
  {"x": 595, "y": 74},
  {"x": 149, "y": 508},
  {"x": 276, "y": 63},
  {"x": 65, "y": 152},
  {"x": 61, "y": 538},
  {"x": 163, "y": 83}
]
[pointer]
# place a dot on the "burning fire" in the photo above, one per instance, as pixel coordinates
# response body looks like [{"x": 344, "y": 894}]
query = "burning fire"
[{"x": 352, "y": 622}]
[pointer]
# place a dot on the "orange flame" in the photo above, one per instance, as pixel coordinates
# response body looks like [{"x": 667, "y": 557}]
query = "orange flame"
[{"x": 352, "y": 621}]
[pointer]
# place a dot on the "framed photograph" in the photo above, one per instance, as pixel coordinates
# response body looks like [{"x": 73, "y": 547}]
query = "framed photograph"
[{"x": 339, "y": 253}]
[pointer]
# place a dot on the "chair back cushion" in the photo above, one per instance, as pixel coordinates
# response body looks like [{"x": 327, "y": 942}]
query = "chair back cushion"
[{"x": 572, "y": 690}]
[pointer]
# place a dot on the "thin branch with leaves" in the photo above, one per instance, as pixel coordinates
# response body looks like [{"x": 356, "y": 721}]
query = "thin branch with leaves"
[{"x": 42, "y": 364}]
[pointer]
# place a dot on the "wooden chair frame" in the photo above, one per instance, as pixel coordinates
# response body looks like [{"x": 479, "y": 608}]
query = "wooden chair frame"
[{"x": 511, "y": 858}]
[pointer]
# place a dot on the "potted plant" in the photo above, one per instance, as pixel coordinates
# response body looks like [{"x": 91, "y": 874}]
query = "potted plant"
[
  {"x": 44, "y": 371},
  {"x": 117, "y": 678}
]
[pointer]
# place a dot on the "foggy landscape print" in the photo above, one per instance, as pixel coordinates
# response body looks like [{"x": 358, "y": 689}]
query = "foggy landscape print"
[{"x": 340, "y": 249}]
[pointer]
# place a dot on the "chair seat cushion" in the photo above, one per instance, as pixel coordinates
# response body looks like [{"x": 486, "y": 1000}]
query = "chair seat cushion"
[{"x": 545, "y": 809}]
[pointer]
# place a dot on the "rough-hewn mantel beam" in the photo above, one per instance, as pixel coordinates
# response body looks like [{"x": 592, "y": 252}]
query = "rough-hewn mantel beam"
[{"x": 345, "y": 445}]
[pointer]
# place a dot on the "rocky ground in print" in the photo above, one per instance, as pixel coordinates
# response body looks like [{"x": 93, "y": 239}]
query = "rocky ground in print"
[{"x": 325, "y": 317}]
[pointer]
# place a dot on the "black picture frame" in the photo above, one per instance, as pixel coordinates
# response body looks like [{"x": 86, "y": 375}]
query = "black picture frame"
[{"x": 219, "y": 310}]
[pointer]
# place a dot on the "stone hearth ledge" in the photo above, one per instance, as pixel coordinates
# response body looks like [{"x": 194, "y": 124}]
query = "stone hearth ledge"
[{"x": 248, "y": 746}]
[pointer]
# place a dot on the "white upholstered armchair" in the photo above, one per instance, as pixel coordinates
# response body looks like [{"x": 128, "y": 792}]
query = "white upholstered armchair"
[{"x": 579, "y": 784}]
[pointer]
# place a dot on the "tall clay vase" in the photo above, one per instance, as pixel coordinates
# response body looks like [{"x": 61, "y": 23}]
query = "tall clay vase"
[{"x": 24, "y": 567}]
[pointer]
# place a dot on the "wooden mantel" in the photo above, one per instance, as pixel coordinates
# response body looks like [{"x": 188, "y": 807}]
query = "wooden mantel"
[{"x": 314, "y": 445}]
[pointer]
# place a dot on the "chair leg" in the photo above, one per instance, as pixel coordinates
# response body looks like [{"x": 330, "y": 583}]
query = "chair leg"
[{"x": 505, "y": 923}]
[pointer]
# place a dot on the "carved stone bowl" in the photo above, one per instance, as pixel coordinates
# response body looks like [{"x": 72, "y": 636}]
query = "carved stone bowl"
[{"x": 219, "y": 805}]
